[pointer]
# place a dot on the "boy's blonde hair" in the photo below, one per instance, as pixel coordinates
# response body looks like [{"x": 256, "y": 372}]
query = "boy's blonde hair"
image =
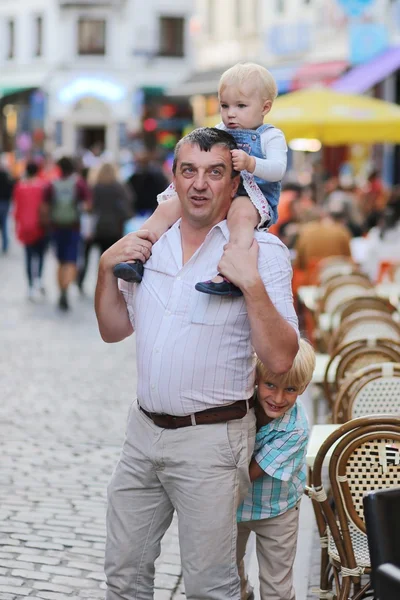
[
  {"x": 300, "y": 374},
  {"x": 242, "y": 74}
]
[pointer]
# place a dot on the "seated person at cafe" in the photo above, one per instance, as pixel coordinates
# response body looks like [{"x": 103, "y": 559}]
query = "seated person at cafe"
[{"x": 278, "y": 475}]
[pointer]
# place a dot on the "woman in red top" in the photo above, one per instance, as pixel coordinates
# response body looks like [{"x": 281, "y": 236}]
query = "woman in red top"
[{"x": 28, "y": 198}]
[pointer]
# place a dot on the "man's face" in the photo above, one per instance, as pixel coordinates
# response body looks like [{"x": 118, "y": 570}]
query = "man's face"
[{"x": 204, "y": 184}]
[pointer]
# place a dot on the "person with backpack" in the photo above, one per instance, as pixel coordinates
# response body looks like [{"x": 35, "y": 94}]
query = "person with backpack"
[
  {"x": 66, "y": 196},
  {"x": 28, "y": 199}
]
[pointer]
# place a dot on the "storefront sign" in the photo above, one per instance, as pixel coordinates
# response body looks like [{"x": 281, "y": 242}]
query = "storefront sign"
[{"x": 90, "y": 86}]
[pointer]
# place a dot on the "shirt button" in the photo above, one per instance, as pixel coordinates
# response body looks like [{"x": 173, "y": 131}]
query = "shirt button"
[
  {"x": 178, "y": 278},
  {"x": 167, "y": 313},
  {"x": 254, "y": 137},
  {"x": 156, "y": 350},
  {"x": 153, "y": 387}
]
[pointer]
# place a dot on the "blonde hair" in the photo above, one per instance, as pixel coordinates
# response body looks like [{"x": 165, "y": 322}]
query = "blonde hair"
[
  {"x": 107, "y": 173},
  {"x": 299, "y": 375},
  {"x": 242, "y": 74}
]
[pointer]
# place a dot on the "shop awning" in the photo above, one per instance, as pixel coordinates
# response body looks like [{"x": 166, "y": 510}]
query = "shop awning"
[
  {"x": 362, "y": 78},
  {"x": 321, "y": 74},
  {"x": 206, "y": 82}
]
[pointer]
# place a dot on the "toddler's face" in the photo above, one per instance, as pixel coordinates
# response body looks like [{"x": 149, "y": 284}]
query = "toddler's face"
[
  {"x": 242, "y": 111},
  {"x": 274, "y": 399}
]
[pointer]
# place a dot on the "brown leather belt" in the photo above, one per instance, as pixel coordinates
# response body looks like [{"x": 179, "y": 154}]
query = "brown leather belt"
[{"x": 220, "y": 414}]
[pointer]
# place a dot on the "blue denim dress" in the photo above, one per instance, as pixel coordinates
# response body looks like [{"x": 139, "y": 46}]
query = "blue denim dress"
[{"x": 265, "y": 202}]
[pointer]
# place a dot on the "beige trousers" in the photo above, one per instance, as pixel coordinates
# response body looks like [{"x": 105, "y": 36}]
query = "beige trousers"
[
  {"x": 202, "y": 472},
  {"x": 276, "y": 541}
]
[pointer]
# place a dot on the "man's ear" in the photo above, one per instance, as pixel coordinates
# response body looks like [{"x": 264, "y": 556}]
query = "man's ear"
[
  {"x": 266, "y": 107},
  {"x": 235, "y": 185}
]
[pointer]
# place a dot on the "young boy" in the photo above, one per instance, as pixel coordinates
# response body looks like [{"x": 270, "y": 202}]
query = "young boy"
[
  {"x": 246, "y": 93},
  {"x": 278, "y": 473}
]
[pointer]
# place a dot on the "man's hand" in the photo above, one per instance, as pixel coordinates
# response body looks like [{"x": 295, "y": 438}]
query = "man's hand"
[
  {"x": 240, "y": 266},
  {"x": 134, "y": 246},
  {"x": 242, "y": 161}
]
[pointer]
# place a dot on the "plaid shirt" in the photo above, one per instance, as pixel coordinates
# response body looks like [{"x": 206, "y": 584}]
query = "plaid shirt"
[{"x": 280, "y": 451}]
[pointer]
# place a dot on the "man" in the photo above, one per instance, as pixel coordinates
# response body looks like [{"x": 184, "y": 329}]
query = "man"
[
  {"x": 190, "y": 434},
  {"x": 66, "y": 196},
  {"x": 325, "y": 236}
]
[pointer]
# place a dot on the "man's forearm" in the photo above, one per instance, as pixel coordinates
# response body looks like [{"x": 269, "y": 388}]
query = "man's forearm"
[
  {"x": 274, "y": 339},
  {"x": 111, "y": 312}
]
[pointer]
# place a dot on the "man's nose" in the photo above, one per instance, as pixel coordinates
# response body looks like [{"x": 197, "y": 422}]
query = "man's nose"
[{"x": 200, "y": 182}]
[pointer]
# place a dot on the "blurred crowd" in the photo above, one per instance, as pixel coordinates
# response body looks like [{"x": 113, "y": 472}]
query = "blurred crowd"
[
  {"x": 340, "y": 218},
  {"x": 75, "y": 205}
]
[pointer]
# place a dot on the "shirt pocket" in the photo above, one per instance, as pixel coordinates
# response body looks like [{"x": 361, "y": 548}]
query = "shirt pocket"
[{"x": 216, "y": 310}]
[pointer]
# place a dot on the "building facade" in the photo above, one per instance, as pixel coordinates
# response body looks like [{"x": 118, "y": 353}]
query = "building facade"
[
  {"x": 303, "y": 43},
  {"x": 78, "y": 72}
]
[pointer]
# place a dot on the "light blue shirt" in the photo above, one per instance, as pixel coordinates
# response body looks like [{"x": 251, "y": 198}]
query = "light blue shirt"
[{"x": 280, "y": 451}]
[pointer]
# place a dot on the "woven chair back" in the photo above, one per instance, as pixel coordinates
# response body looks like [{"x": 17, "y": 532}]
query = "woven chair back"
[
  {"x": 374, "y": 389},
  {"x": 366, "y": 323},
  {"x": 344, "y": 288}
]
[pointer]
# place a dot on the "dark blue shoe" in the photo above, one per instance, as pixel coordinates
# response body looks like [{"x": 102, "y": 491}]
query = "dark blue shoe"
[
  {"x": 224, "y": 288},
  {"x": 130, "y": 272}
]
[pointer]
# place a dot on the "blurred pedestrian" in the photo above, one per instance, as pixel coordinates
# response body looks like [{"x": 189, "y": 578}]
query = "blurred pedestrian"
[
  {"x": 146, "y": 183},
  {"x": 383, "y": 241},
  {"x": 373, "y": 199},
  {"x": 66, "y": 197},
  {"x": 343, "y": 199},
  {"x": 6, "y": 188},
  {"x": 28, "y": 196},
  {"x": 323, "y": 237},
  {"x": 111, "y": 206}
]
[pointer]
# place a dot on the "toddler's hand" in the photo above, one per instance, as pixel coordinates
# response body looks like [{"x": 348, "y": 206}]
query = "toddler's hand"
[{"x": 241, "y": 160}]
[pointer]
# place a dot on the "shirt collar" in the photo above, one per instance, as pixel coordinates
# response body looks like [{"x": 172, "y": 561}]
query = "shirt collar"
[
  {"x": 222, "y": 226},
  {"x": 283, "y": 423}
]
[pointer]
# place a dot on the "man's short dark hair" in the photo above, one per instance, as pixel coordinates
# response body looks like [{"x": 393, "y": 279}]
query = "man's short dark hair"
[
  {"x": 66, "y": 166},
  {"x": 205, "y": 138},
  {"x": 31, "y": 169}
]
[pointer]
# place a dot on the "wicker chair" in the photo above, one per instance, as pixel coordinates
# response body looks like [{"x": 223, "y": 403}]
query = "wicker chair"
[
  {"x": 366, "y": 323},
  {"x": 361, "y": 303},
  {"x": 365, "y": 458},
  {"x": 334, "y": 265},
  {"x": 352, "y": 356},
  {"x": 343, "y": 288},
  {"x": 370, "y": 390}
]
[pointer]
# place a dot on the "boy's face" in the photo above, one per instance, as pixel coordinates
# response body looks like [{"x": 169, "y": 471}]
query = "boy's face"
[
  {"x": 242, "y": 111},
  {"x": 274, "y": 399}
]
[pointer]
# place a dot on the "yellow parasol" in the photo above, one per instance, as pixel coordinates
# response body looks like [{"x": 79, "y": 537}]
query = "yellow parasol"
[{"x": 335, "y": 118}]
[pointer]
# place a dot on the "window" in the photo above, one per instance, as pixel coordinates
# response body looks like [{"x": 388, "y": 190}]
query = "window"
[
  {"x": 171, "y": 36},
  {"x": 92, "y": 37},
  {"x": 10, "y": 39},
  {"x": 38, "y": 50}
]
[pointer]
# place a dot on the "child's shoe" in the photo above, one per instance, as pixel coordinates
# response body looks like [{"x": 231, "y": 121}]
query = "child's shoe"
[
  {"x": 131, "y": 272},
  {"x": 223, "y": 288}
]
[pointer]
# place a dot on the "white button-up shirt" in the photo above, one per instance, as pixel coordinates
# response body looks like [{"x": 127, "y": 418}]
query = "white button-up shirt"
[{"x": 194, "y": 350}]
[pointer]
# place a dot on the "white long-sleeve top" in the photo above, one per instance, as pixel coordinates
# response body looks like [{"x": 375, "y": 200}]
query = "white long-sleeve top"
[{"x": 274, "y": 149}]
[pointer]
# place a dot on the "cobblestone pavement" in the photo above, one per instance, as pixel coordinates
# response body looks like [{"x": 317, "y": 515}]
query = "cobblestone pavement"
[{"x": 64, "y": 398}]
